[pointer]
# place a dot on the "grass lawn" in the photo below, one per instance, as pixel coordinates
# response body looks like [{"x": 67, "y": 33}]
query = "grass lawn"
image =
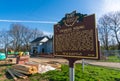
[
  {"x": 91, "y": 73},
  {"x": 114, "y": 59}
]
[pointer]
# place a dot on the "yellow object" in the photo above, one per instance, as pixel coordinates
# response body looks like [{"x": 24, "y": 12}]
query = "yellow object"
[{"x": 20, "y": 53}]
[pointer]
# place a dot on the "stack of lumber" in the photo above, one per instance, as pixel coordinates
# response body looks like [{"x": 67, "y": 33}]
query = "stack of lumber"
[
  {"x": 25, "y": 69},
  {"x": 42, "y": 68},
  {"x": 35, "y": 64},
  {"x": 11, "y": 73},
  {"x": 18, "y": 74},
  {"x": 14, "y": 73}
]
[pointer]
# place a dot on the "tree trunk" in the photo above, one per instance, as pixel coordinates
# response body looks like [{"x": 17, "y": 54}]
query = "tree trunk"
[{"x": 118, "y": 46}]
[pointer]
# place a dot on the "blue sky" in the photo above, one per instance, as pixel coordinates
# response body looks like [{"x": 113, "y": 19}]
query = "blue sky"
[{"x": 50, "y": 11}]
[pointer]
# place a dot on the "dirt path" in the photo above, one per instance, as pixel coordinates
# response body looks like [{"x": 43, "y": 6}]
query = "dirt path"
[
  {"x": 107, "y": 64},
  {"x": 92, "y": 62},
  {"x": 41, "y": 59}
]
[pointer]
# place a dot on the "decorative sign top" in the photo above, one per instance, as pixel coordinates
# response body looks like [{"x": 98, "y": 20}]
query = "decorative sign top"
[
  {"x": 75, "y": 36},
  {"x": 72, "y": 18}
]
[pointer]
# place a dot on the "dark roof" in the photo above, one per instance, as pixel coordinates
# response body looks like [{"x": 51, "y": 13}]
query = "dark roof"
[
  {"x": 51, "y": 38},
  {"x": 38, "y": 39}
]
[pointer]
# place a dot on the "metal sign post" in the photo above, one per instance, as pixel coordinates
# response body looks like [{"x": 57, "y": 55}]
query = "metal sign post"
[
  {"x": 83, "y": 63},
  {"x": 71, "y": 70}
]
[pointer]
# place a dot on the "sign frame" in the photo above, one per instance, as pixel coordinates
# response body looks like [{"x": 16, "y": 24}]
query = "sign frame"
[{"x": 78, "y": 23}]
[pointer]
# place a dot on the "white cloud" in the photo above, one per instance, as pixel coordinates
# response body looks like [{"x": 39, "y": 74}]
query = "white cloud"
[
  {"x": 109, "y": 6},
  {"x": 47, "y": 33},
  {"x": 48, "y": 22}
]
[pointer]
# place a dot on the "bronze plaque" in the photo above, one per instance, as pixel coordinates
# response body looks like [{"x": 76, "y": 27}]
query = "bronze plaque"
[{"x": 75, "y": 36}]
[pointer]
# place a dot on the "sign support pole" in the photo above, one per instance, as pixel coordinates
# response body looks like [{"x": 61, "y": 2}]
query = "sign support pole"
[
  {"x": 83, "y": 65},
  {"x": 71, "y": 70}
]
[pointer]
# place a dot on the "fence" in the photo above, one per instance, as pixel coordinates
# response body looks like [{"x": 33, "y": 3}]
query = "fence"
[{"x": 110, "y": 55}]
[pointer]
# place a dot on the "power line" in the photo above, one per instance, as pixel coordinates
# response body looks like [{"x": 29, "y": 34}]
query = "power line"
[{"x": 28, "y": 21}]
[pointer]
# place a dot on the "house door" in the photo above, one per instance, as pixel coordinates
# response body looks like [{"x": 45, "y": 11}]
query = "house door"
[
  {"x": 35, "y": 51},
  {"x": 43, "y": 50}
]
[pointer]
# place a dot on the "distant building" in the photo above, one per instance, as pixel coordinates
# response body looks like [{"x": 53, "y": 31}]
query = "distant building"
[{"x": 42, "y": 45}]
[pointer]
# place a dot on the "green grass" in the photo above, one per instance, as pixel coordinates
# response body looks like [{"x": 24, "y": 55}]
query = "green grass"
[
  {"x": 0, "y": 75},
  {"x": 94, "y": 73},
  {"x": 91, "y": 73},
  {"x": 114, "y": 59}
]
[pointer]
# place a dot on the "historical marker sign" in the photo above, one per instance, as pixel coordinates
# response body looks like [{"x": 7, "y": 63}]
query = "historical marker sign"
[{"x": 75, "y": 36}]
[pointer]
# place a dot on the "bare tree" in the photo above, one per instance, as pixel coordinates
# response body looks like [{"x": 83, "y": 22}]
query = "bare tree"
[
  {"x": 36, "y": 33},
  {"x": 29, "y": 35},
  {"x": 16, "y": 34},
  {"x": 114, "y": 23},
  {"x": 5, "y": 40},
  {"x": 104, "y": 31},
  {"x": 22, "y": 36}
]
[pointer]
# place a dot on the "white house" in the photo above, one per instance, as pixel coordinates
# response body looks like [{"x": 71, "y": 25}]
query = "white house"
[{"x": 42, "y": 45}]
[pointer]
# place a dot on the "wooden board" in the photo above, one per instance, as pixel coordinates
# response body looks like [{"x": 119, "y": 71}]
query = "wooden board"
[
  {"x": 11, "y": 73},
  {"x": 25, "y": 69},
  {"x": 18, "y": 74}
]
